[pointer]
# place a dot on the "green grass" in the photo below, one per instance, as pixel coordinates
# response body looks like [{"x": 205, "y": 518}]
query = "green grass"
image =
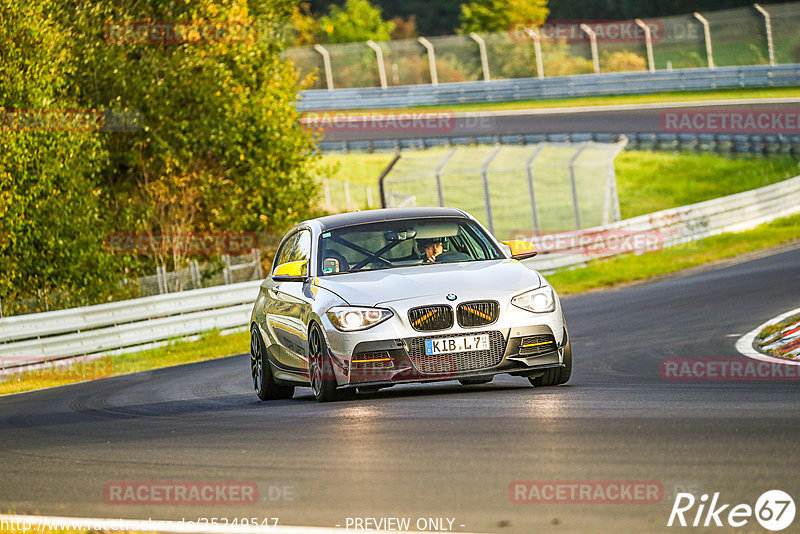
[
  {"x": 210, "y": 346},
  {"x": 680, "y": 96},
  {"x": 628, "y": 268}
]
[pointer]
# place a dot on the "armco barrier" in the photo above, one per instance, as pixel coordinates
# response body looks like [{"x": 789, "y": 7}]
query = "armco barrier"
[
  {"x": 39, "y": 337},
  {"x": 670, "y": 227},
  {"x": 34, "y": 338},
  {"x": 684, "y": 142},
  {"x": 618, "y": 83}
]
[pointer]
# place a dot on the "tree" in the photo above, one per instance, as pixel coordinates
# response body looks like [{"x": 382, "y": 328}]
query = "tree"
[
  {"x": 358, "y": 21},
  {"x": 51, "y": 225},
  {"x": 490, "y": 16}
]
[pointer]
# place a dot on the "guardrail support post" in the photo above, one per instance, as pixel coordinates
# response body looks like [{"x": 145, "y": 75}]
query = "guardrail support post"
[
  {"x": 537, "y": 48},
  {"x": 326, "y": 61},
  {"x": 593, "y": 41},
  {"x": 648, "y": 42},
  {"x": 379, "y": 56},
  {"x": 707, "y": 34},
  {"x": 531, "y": 188},
  {"x": 575, "y": 208},
  {"x": 438, "y": 175},
  {"x": 484, "y": 56},
  {"x": 486, "y": 192},
  {"x": 431, "y": 59},
  {"x": 768, "y": 27}
]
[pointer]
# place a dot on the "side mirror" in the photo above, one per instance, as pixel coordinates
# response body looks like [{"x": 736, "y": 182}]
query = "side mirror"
[
  {"x": 521, "y": 250},
  {"x": 291, "y": 270}
]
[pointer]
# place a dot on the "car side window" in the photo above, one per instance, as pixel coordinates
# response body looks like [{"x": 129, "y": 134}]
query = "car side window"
[{"x": 293, "y": 256}]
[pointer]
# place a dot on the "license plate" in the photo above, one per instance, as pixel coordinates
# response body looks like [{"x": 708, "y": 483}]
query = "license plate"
[{"x": 447, "y": 345}]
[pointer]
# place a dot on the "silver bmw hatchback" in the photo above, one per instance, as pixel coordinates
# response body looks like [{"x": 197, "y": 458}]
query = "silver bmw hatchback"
[{"x": 366, "y": 300}]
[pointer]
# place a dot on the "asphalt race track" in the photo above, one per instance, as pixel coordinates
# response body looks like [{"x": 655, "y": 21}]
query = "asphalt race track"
[
  {"x": 617, "y": 119},
  {"x": 442, "y": 451}
]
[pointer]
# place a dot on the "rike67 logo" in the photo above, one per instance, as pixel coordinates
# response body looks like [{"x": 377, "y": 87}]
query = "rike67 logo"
[{"x": 774, "y": 510}]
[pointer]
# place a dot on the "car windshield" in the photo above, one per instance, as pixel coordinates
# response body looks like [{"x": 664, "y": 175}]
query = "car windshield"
[{"x": 403, "y": 243}]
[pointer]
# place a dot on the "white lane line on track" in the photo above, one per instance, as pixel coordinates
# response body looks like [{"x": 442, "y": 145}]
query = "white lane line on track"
[
  {"x": 745, "y": 343},
  {"x": 313, "y": 116},
  {"x": 29, "y": 523}
]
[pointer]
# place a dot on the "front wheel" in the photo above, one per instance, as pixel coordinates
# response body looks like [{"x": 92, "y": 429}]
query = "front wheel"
[
  {"x": 557, "y": 375},
  {"x": 320, "y": 369},
  {"x": 261, "y": 373}
]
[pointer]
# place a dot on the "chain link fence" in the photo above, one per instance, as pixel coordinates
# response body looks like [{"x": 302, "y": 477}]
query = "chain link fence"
[
  {"x": 756, "y": 35},
  {"x": 549, "y": 187}
]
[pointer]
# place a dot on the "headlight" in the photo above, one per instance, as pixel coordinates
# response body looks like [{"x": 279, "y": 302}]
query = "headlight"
[
  {"x": 540, "y": 300},
  {"x": 350, "y": 318}
]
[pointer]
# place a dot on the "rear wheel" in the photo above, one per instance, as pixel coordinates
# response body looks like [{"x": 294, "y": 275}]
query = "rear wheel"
[
  {"x": 557, "y": 375},
  {"x": 263, "y": 383},
  {"x": 320, "y": 370}
]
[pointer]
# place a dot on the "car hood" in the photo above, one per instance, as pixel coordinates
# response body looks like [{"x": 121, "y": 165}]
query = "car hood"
[{"x": 373, "y": 288}]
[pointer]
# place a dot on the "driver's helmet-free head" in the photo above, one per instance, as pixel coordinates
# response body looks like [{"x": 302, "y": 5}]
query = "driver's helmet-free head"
[{"x": 422, "y": 244}]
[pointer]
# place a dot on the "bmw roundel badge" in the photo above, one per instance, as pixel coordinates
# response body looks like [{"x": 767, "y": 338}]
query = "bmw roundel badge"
[{"x": 451, "y": 296}]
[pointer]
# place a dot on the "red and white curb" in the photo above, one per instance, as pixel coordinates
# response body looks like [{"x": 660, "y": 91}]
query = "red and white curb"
[{"x": 745, "y": 343}]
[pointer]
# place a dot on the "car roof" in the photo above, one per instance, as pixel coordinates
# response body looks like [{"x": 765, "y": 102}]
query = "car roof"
[{"x": 330, "y": 222}]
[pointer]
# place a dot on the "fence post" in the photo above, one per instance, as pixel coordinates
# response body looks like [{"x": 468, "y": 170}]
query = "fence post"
[
  {"x": 226, "y": 272},
  {"x": 537, "y": 49},
  {"x": 431, "y": 59},
  {"x": 326, "y": 60},
  {"x": 593, "y": 42},
  {"x": 382, "y": 177},
  {"x": 161, "y": 278},
  {"x": 438, "y": 175},
  {"x": 194, "y": 268},
  {"x": 707, "y": 35},
  {"x": 370, "y": 201},
  {"x": 611, "y": 211},
  {"x": 768, "y": 27},
  {"x": 326, "y": 189},
  {"x": 531, "y": 189},
  {"x": 484, "y": 56},
  {"x": 348, "y": 202},
  {"x": 648, "y": 42},
  {"x": 379, "y": 56},
  {"x": 575, "y": 207},
  {"x": 486, "y": 193},
  {"x": 257, "y": 258}
]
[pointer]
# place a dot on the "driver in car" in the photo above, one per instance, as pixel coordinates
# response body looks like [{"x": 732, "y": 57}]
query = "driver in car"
[{"x": 431, "y": 248}]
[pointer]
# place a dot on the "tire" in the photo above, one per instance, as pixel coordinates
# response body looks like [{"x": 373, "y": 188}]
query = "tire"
[
  {"x": 475, "y": 381},
  {"x": 557, "y": 375},
  {"x": 261, "y": 372},
  {"x": 320, "y": 370}
]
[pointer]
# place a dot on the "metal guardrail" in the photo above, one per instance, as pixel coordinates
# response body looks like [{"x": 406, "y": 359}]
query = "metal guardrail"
[
  {"x": 666, "y": 228},
  {"x": 621, "y": 83},
  {"x": 686, "y": 142},
  {"x": 34, "y": 338}
]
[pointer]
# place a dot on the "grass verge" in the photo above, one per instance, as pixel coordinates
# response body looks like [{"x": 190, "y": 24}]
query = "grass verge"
[
  {"x": 630, "y": 268},
  {"x": 684, "y": 96},
  {"x": 210, "y": 346}
]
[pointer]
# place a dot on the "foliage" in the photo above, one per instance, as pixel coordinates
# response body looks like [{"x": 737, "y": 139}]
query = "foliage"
[
  {"x": 357, "y": 21},
  {"x": 51, "y": 228},
  {"x": 622, "y": 61},
  {"x": 501, "y": 15}
]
